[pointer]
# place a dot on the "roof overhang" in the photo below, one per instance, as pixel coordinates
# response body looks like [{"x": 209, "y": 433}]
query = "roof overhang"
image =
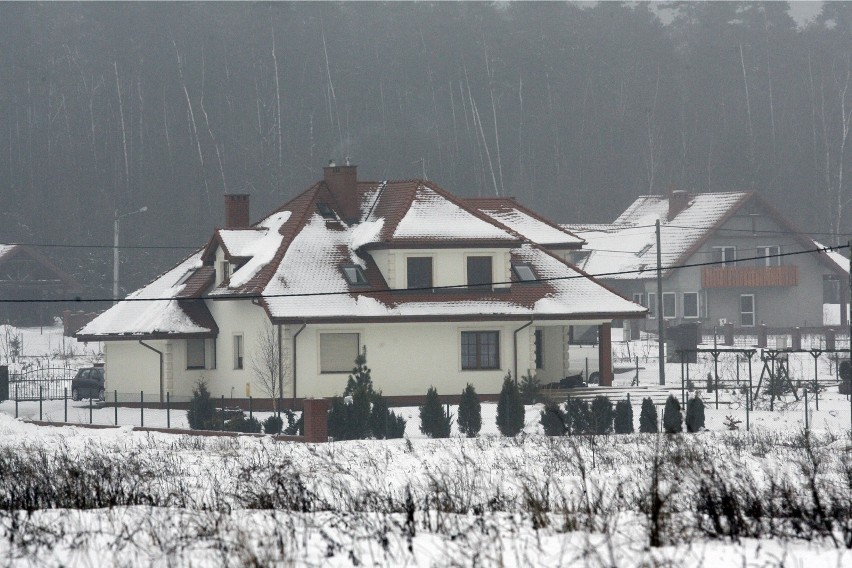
[
  {"x": 151, "y": 336},
  {"x": 440, "y": 244},
  {"x": 461, "y": 318}
]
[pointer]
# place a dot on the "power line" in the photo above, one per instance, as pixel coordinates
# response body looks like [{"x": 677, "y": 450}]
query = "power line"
[
  {"x": 649, "y": 269},
  {"x": 72, "y": 246}
]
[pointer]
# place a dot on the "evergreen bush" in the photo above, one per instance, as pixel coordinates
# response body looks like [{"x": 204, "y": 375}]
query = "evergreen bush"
[
  {"x": 294, "y": 427},
  {"x": 349, "y": 417},
  {"x": 554, "y": 420},
  {"x": 623, "y": 417},
  {"x": 579, "y": 417},
  {"x": 242, "y": 424},
  {"x": 272, "y": 425},
  {"x": 694, "y": 414},
  {"x": 672, "y": 416},
  {"x": 510, "y": 408},
  {"x": 202, "y": 410},
  {"x": 433, "y": 421},
  {"x": 601, "y": 415},
  {"x": 530, "y": 389},
  {"x": 470, "y": 412},
  {"x": 648, "y": 417},
  {"x": 384, "y": 423}
]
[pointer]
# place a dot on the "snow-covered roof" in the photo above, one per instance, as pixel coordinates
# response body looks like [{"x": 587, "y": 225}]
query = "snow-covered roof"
[
  {"x": 521, "y": 220},
  {"x": 293, "y": 261},
  {"x": 627, "y": 248},
  {"x": 6, "y": 249}
]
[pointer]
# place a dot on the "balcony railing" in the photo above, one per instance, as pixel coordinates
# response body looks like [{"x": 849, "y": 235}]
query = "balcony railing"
[{"x": 749, "y": 276}]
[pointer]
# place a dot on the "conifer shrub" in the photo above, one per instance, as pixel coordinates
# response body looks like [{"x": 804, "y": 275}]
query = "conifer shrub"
[
  {"x": 272, "y": 425},
  {"x": 294, "y": 427},
  {"x": 623, "y": 417},
  {"x": 433, "y": 421},
  {"x": 694, "y": 414},
  {"x": 579, "y": 416},
  {"x": 349, "y": 417},
  {"x": 530, "y": 389},
  {"x": 672, "y": 416},
  {"x": 470, "y": 412},
  {"x": 648, "y": 417},
  {"x": 554, "y": 420},
  {"x": 242, "y": 424},
  {"x": 510, "y": 409},
  {"x": 384, "y": 423},
  {"x": 202, "y": 409},
  {"x": 602, "y": 415}
]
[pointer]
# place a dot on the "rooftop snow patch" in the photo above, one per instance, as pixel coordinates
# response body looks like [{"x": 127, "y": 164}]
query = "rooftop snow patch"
[
  {"x": 433, "y": 216},
  {"x": 262, "y": 250}
]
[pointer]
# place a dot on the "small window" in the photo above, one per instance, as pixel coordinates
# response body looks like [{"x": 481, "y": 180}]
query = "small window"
[
  {"x": 185, "y": 277},
  {"x": 652, "y": 305},
  {"x": 830, "y": 289},
  {"x": 338, "y": 352},
  {"x": 419, "y": 272},
  {"x": 195, "y": 356},
  {"x": 224, "y": 271},
  {"x": 639, "y": 298},
  {"x": 325, "y": 211},
  {"x": 690, "y": 304},
  {"x": 479, "y": 271},
  {"x": 669, "y": 305},
  {"x": 768, "y": 256},
  {"x": 238, "y": 351},
  {"x": 524, "y": 273},
  {"x": 354, "y": 274},
  {"x": 725, "y": 255},
  {"x": 643, "y": 250},
  {"x": 747, "y": 310},
  {"x": 539, "y": 349},
  {"x": 480, "y": 350}
]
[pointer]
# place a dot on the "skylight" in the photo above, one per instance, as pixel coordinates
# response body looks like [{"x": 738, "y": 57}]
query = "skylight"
[
  {"x": 354, "y": 274},
  {"x": 325, "y": 211},
  {"x": 524, "y": 272}
]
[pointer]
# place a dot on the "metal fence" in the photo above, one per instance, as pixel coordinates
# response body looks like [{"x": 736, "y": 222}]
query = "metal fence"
[{"x": 49, "y": 383}]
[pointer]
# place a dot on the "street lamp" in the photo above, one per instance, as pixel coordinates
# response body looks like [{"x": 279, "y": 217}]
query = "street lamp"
[{"x": 115, "y": 249}]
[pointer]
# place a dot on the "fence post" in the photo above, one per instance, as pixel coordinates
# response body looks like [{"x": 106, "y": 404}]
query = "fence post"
[
  {"x": 761, "y": 335},
  {"x": 142, "y": 408},
  {"x": 168, "y": 410},
  {"x": 251, "y": 410},
  {"x": 738, "y": 368},
  {"x": 39, "y": 402},
  {"x": 682, "y": 381},
  {"x": 115, "y": 400},
  {"x": 223, "y": 412},
  {"x": 90, "y": 410},
  {"x": 16, "y": 401},
  {"x": 806, "y": 409},
  {"x": 65, "y": 403}
]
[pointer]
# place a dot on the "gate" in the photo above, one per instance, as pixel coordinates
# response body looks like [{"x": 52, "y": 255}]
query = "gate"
[{"x": 47, "y": 383}]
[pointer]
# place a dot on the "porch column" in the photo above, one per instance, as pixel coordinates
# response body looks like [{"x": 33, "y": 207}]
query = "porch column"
[{"x": 605, "y": 354}]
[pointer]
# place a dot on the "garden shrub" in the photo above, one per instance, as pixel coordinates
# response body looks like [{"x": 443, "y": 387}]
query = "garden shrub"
[
  {"x": 601, "y": 415},
  {"x": 202, "y": 410},
  {"x": 385, "y": 423},
  {"x": 470, "y": 412},
  {"x": 433, "y": 421},
  {"x": 272, "y": 425},
  {"x": 623, "y": 417},
  {"x": 648, "y": 417},
  {"x": 242, "y": 424},
  {"x": 694, "y": 414},
  {"x": 530, "y": 389},
  {"x": 554, "y": 420},
  {"x": 579, "y": 417},
  {"x": 672, "y": 416},
  {"x": 510, "y": 409}
]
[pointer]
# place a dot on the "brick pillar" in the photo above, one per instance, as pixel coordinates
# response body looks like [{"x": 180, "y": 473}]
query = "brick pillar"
[
  {"x": 315, "y": 412},
  {"x": 605, "y": 354},
  {"x": 761, "y": 335},
  {"x": 797, "y": 338},
  {"x": 830, "y": 336},
  {"x": 728, "y": 334}
]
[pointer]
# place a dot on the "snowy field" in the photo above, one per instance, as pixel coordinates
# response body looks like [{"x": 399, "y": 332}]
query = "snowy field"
[{"x": 774, "y": 496}]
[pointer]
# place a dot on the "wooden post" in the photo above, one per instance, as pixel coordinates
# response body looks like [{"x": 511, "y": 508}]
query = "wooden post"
[{"x": 604, "y": 355}]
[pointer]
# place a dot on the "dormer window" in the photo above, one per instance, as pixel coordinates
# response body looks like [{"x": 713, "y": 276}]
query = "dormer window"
[
  {"x": 225, "y": 270},
  {"x": 325, "y": 211},
  {"x": 354, "y": 274},
  {"x": 524, "y": 273}
]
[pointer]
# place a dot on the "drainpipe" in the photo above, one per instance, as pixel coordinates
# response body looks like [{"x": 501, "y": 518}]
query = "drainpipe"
[
  {"x": 295, "y": 336},
  {"x": 515, "y": 345},
  {"x": 160, "y": 353}
]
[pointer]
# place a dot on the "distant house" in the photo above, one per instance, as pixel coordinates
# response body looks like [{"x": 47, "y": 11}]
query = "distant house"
[
  {"x": 27, "y": 275},
  {"x": 752, "y": 271},
  {"x": 441, "y": 291}
]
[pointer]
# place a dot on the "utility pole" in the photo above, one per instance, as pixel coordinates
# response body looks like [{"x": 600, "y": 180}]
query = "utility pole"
[{"x": 660, "y": 323}]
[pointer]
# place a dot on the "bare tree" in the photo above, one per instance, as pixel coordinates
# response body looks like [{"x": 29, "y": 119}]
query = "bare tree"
[{"x": 265, "y": 364}]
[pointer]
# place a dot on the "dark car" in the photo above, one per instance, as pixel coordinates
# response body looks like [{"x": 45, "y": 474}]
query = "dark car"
[{"x": 88, "y": 383}]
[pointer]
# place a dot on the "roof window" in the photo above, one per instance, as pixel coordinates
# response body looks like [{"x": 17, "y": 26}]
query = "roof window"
[
  {"x": 524, "y": 272},
  {"x": 325, "y": 211},
  {"x": 354, "y": 274},
  {"x": 643, "y": 250},
  {"x": 185, "y": 277}
]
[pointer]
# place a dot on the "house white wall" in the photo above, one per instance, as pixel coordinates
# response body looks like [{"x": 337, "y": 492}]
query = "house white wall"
[{"x": 449, "y": 266}]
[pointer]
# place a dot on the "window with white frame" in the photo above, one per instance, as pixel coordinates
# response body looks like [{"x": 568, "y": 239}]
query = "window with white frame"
[
  {"x": 669, "y": 305},
  {"x": 200, "y": 353},
  {"x": 338, "y": 352},
  {"x": 238, "y": 351},
  {"x": 768, "y": 255},
  {"x": 639, "y": 298},
  {"x": 724, "y": 255},
  {"x": 480, "y": 350},
  {"x": 652, "y": 305},
  {"x": 747, "y": 310},
  {"x": 225, "y": 270},
  {"x": 690, "y": 305},
  {"x": 539, "y": 348}
]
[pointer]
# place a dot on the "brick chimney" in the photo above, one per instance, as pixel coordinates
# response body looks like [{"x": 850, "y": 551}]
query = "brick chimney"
[
  {"x": 678, "y": 201},
  {"x": 342, "y": 184},
  {"x": 236, "y": 211}
]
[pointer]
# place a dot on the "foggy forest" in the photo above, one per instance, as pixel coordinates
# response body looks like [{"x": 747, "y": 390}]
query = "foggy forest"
[{"x": 575, "y": 109}]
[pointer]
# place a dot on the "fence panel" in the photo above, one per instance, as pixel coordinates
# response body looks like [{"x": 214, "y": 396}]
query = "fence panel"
[{"x": 48, "y": 383}]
